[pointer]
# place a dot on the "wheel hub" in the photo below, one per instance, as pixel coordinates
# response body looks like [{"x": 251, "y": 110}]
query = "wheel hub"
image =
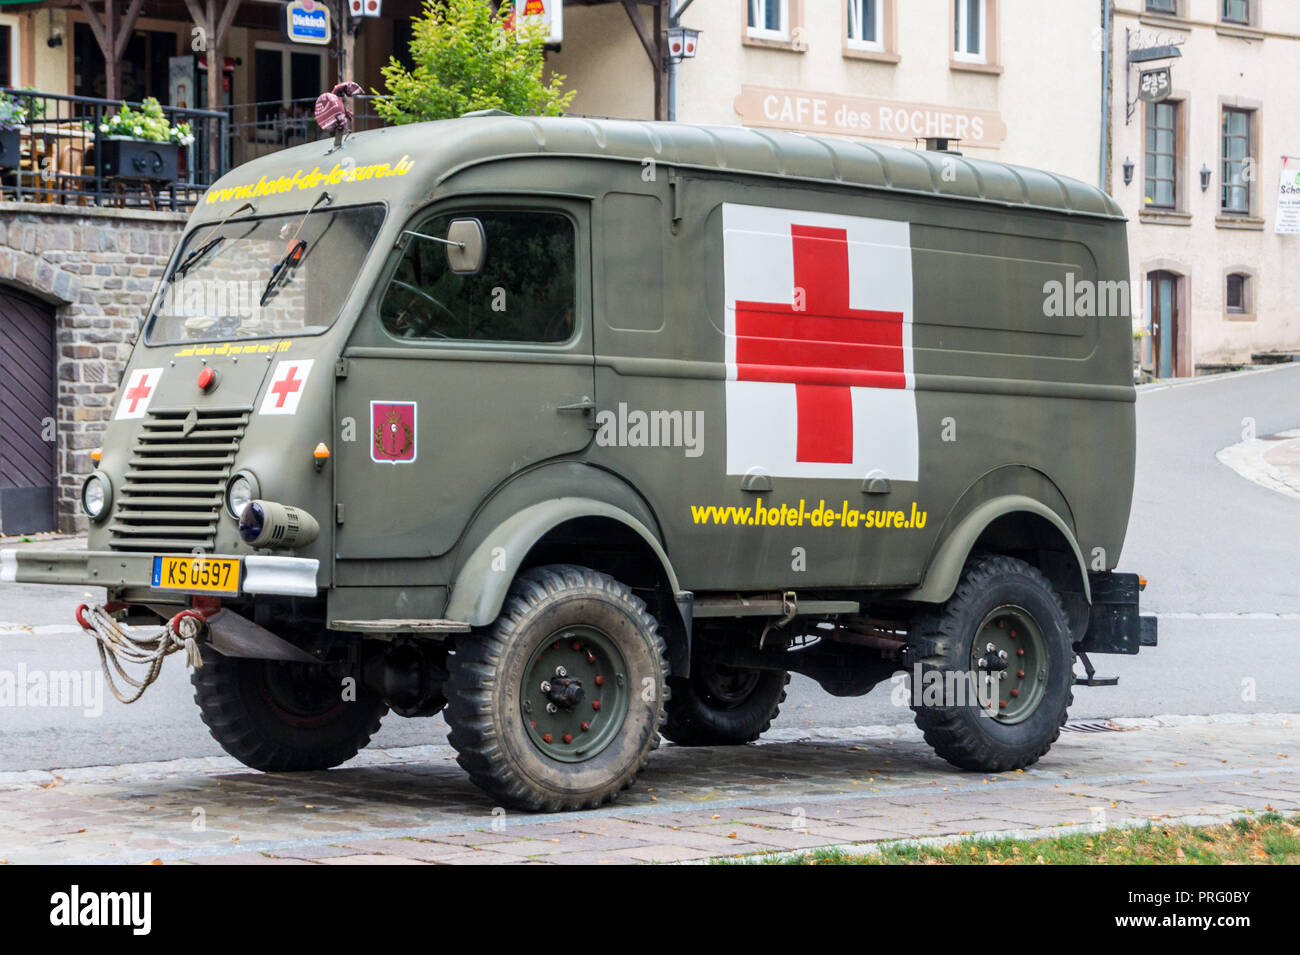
[
  {"x": 1009, "y": 664},
  {"x": 993, "y": 660},
  {"x": 726, "y": 686},
  {"x": 565, "y": 692},
  {"x": 574, "y": 695}
]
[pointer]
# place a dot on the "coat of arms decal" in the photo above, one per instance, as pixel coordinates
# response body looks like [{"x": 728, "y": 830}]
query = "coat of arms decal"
[{"x": 392, "y": 431}]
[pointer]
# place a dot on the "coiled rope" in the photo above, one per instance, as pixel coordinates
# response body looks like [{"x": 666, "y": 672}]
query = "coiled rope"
[{"x": 118, "y": 647}]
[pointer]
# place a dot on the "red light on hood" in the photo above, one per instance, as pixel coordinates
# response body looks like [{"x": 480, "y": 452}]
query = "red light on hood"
[{"x": 207, "y": 378}]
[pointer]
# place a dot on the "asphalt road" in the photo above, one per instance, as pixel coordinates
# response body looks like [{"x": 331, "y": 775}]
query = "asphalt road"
[{"x": 1222, "y": 555}]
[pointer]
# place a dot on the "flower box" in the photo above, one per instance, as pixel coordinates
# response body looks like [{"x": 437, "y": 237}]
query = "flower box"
[{"x": 138, "y": 159}]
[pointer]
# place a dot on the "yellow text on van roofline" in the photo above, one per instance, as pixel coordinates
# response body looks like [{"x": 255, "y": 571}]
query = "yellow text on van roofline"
[{"x": 301, "y": 179}]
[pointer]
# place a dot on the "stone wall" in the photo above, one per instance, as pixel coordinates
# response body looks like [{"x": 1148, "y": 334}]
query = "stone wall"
[{"x": 97, "y": 268}]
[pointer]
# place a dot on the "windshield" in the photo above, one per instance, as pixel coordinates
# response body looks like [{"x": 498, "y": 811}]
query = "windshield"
[{"x": 217, "y": 289}]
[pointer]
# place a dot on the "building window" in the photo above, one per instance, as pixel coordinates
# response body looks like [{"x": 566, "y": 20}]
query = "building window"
[
  {"x": 1168, "y": 7},
  {"x": 1236, "y": 11},
  {"x": 866, "y": 25},
  {"x": 403, "y": 34},
  {"x": 287, "y": 80},
  {"x": 769, "y": 19},
  {"x": 1238, "y": 293},
  {"x": 1162, "y": 155},
  {"x": 970, "y": 31},
  {"x": 8, "y": 73},
  {"x": 145, "y": 67},
  {"x": 1237, "y": 169}
]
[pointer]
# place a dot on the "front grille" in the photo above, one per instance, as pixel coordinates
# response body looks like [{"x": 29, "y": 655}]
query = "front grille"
[{"x": 171, "y": 496}]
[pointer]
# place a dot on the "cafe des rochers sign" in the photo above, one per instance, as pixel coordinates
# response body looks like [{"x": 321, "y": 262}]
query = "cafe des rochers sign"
[{"x": 866, "y": 117}]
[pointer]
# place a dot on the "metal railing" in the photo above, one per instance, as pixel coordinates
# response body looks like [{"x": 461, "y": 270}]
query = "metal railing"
[
  {"x": 257, "y": 129},
  {"x": 57, "y": 155}
]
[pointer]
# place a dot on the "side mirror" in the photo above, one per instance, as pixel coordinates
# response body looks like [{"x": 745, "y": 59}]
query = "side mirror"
[{"x": 467, "y": 246}]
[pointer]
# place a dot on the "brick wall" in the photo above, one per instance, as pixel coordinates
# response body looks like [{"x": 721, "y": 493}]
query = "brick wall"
[{"x": 97, "y": 269}]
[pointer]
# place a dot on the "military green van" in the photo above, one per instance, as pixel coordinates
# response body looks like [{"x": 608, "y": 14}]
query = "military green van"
[{"x": 585, "y": 432}]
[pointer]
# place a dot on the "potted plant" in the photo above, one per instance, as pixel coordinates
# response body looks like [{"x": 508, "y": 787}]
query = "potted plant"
[
  {"x": 1140, "y": 336},
  {"x": 13, "y": 116},
  {"x": 141, "y": 143}
]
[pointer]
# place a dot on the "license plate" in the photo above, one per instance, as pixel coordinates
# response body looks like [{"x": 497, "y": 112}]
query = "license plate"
[{"x": 209, "y": 575}]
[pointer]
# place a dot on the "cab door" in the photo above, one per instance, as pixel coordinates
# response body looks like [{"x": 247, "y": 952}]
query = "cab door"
[{"x": 452, "y": 383}]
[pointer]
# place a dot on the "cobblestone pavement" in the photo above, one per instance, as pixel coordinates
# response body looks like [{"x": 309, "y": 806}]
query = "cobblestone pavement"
[{"x": 414, "y": 806}]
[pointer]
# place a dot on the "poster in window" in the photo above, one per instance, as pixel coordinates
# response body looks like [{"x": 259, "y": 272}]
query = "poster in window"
[{"x": 1288, "y": 198}]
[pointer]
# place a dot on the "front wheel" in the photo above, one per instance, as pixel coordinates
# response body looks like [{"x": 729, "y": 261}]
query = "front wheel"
[
  {"x": 558, "y": 704},
  {"x": 994, "y": 668},
  {"x": 284, "y": 717}
]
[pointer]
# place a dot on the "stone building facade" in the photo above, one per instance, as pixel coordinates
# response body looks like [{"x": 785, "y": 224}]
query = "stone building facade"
[{"x": 93, "y": 271}]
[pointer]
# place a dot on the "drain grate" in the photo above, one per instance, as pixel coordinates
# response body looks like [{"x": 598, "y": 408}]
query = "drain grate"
[{"x": 1091, "y": 726}]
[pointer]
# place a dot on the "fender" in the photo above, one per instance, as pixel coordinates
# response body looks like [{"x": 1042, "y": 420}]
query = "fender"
[
  {"x": 479, "y": 589},
  {"x": 946, "y": 565}
]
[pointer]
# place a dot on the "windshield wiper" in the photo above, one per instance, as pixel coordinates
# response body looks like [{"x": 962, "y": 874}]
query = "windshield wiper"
[
  {"x": 293, "y": 255},
  {"x": 197, "y": 254}
]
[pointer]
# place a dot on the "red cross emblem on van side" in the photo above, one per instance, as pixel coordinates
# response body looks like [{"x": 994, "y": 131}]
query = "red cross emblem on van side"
[
  {"x": 824, "y": 348},
  {"x": 139, "y": 393},
  {"x": 286, "y": 386}
]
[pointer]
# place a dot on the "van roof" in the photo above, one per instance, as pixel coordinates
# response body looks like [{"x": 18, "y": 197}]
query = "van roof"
[{"x": 478, "y": 139}]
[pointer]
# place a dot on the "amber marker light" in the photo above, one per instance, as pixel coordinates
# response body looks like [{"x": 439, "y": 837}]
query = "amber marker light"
[
  {"x": 99, "y": 453},
  {"x": 321, "y": 454}
]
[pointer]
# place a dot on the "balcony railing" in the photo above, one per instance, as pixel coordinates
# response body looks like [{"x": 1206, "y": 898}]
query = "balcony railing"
[
  {"x": 257, "y": 129},
  {"x": 57, "y": 155}
]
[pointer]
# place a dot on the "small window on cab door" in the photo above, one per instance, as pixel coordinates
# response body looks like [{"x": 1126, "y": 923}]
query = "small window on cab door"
[{"x": 524, "y": 293}]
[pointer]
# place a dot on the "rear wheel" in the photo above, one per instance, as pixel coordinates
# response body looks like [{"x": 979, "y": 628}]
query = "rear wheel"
[
  {"x": 284, "y": 717},
  {"x": 720, "y": 705},
  {"x": 559, "y": 703},
  {"x": 996, "y": 668}
]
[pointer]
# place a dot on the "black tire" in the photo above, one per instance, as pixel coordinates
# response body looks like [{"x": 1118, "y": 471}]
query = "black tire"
[
  {"x": 283, "y": 717},
  {"x": 720, "y": 705},
  {"x": 966, "y": 735},
  {"x": 486, "y": 691}
]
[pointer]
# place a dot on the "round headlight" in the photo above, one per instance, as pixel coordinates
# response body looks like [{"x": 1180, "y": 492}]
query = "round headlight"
[
  {"x": 240, "y": 490},
  {"x": 96, "y": 496}
]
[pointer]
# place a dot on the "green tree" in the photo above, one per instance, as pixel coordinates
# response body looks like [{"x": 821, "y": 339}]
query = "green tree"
[{"x": 464, "y": 59}]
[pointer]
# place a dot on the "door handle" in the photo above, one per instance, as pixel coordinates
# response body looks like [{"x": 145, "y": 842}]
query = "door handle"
[{"x": 585, "y": 406}]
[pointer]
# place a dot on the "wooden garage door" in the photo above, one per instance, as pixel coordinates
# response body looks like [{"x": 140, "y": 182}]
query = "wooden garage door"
[{"x": 27, "y": 453}]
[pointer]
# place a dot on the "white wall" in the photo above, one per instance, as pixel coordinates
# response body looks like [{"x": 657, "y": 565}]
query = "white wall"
[
  {"x": 1048, "y": 92},
  {"x": 1258, "y": 71}
]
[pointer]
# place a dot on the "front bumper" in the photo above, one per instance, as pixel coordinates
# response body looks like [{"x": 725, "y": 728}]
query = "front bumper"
[{"x": 261, "y": 574}]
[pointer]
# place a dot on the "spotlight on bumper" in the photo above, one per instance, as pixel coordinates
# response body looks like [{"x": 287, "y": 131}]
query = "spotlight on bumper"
[{"x": 269, "y": 524}]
